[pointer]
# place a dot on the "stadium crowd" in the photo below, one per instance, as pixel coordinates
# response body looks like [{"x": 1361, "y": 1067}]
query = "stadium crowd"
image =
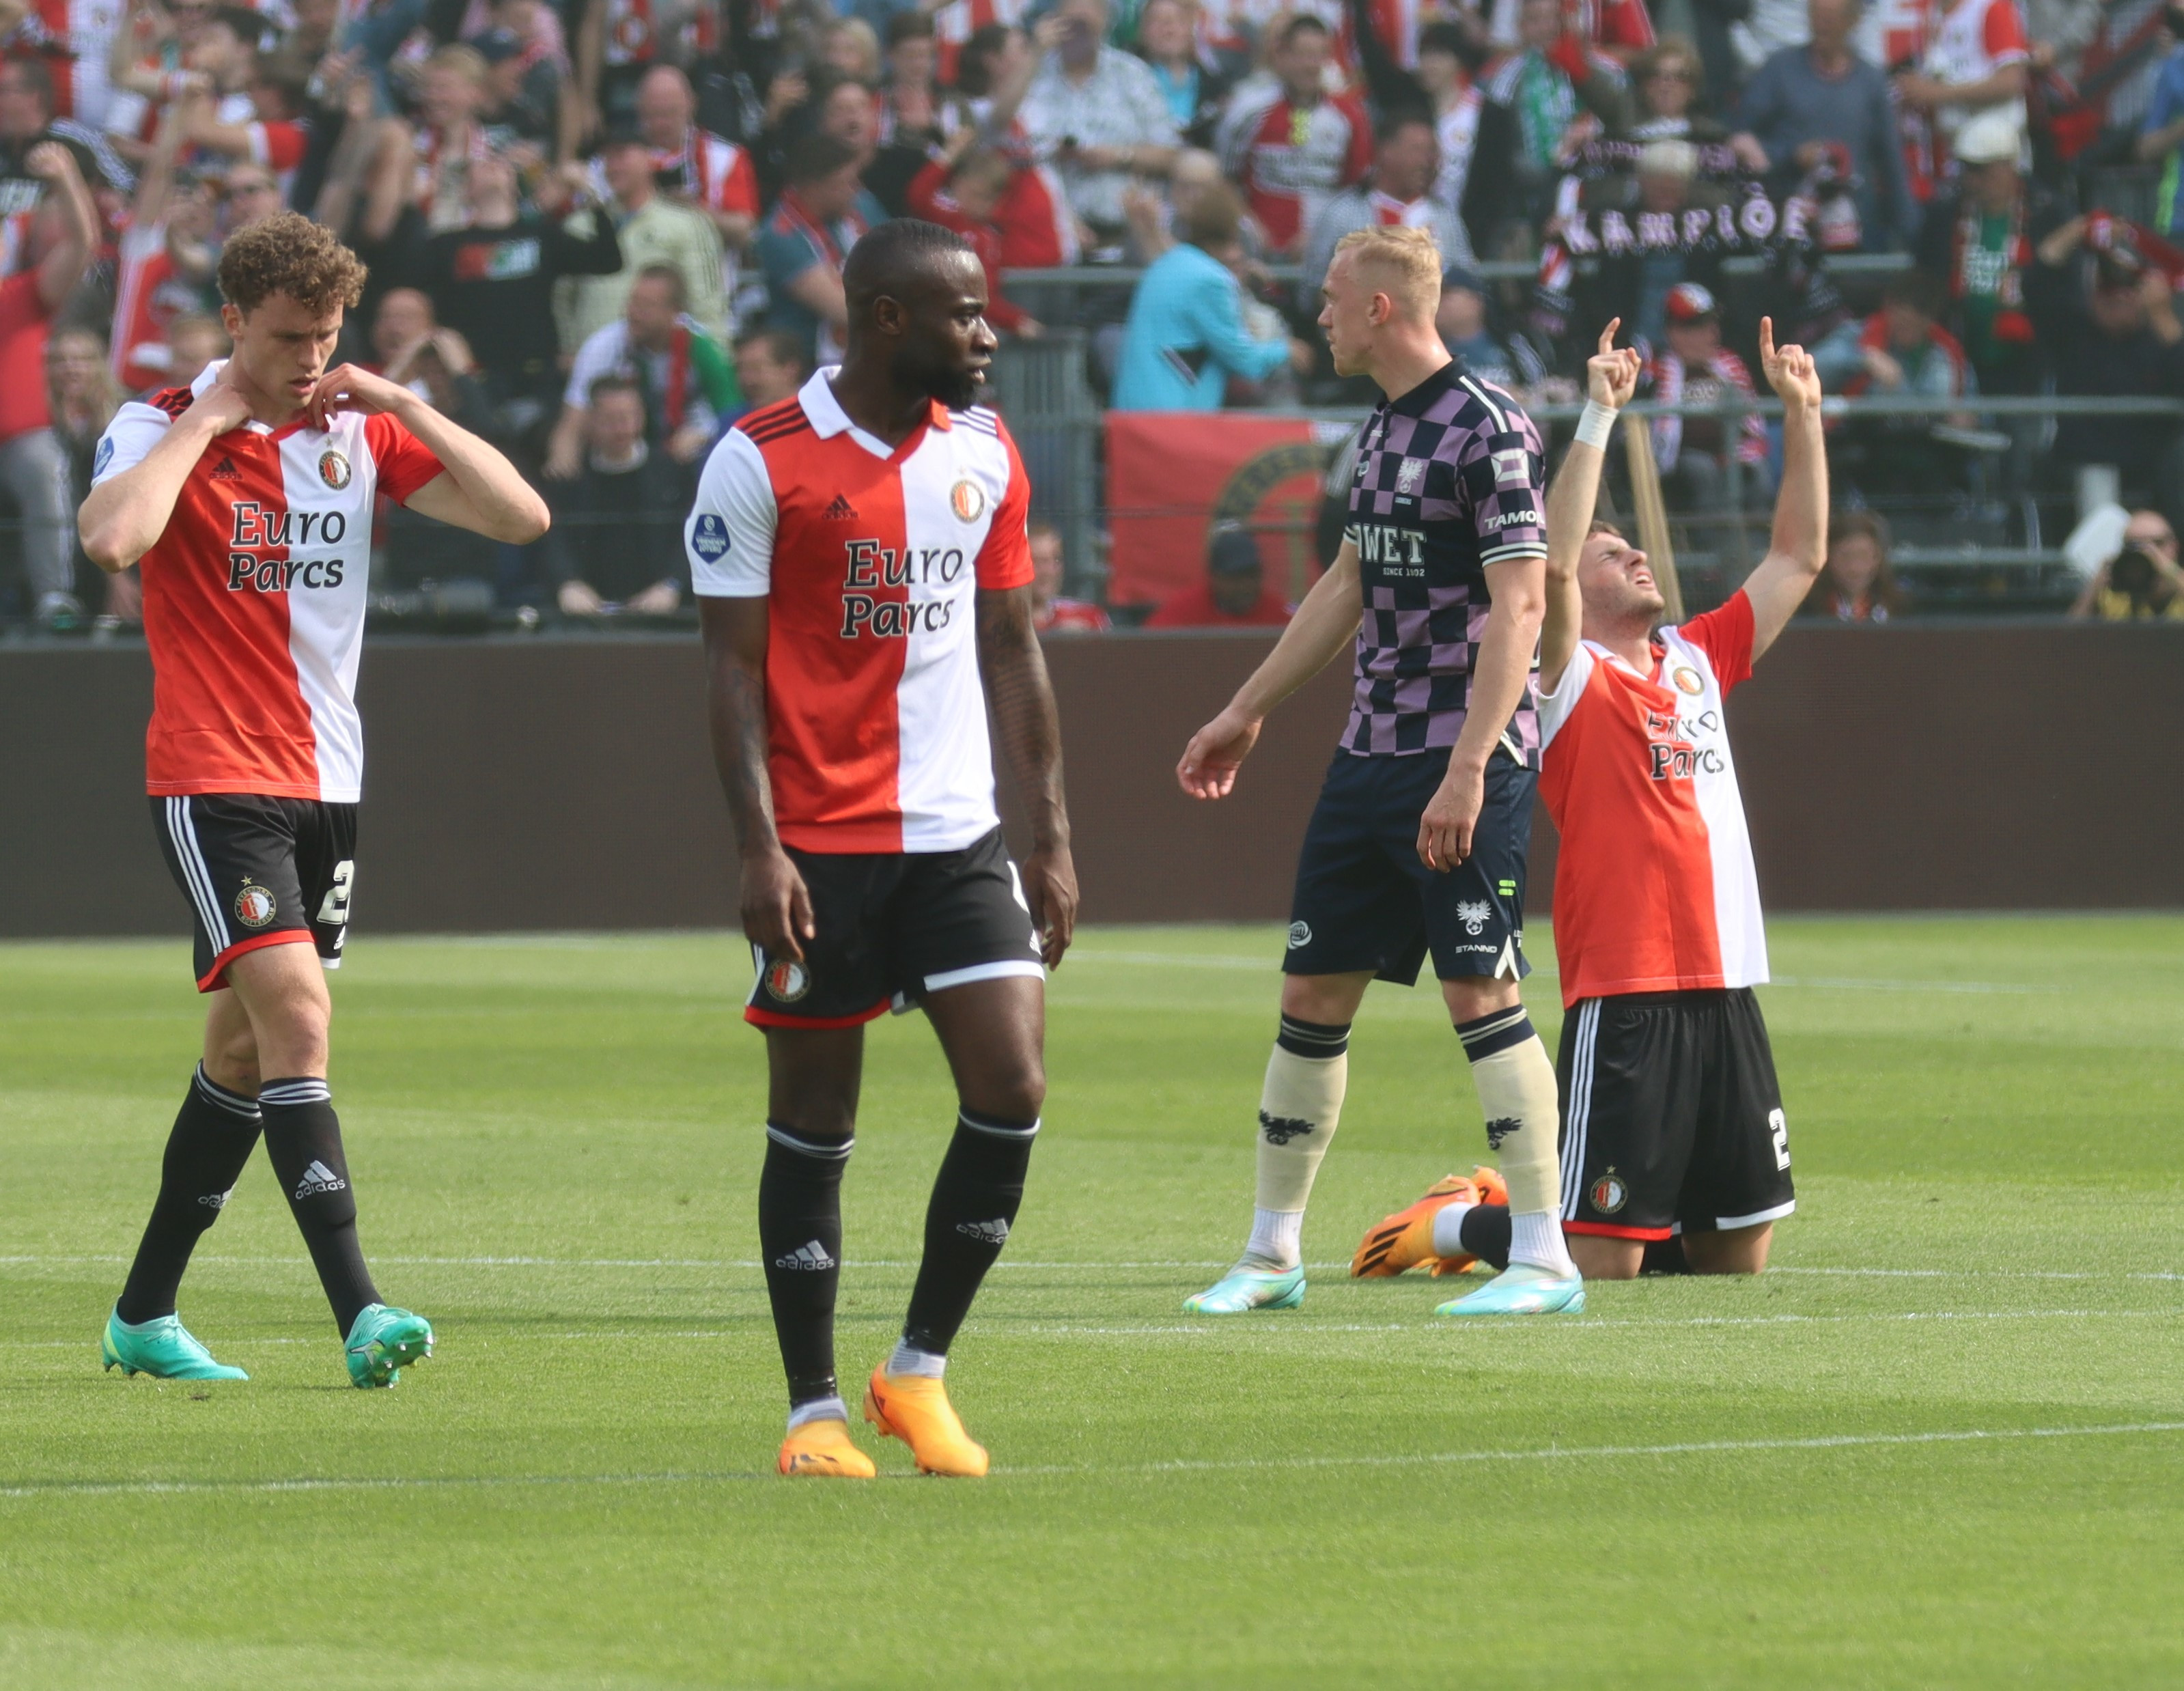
[{"x": 600, "y": 230}]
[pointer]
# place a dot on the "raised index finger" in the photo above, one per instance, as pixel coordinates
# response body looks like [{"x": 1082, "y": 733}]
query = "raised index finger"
[
  {"x": 1767, "y": 340},
  {"x": 1607, "y": 334}
]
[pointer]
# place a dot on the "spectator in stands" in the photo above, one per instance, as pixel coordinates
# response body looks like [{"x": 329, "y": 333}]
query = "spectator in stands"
[
  {"x": 1901, "y": 351},
  {"x": 2161, "y": 136},
  {"x": 1510, "y": 365},
  {"x": 1695, "y": 454},
  {"x": 962, "y": 191},
  {"x": 617, "y": 532},
  {"x": 1669, "y": 83},
  {"x": 27, "y": 122},
  {"x": 1547, "y": 82},
  {"x": 2107, "y": 322},
  {"x": 850, "y": 48},
  {"x": 1478, "y": 137},
  {"x": 1292, "y": 148},
  {"x": 1233, "y": 594},
  {"x": 1977, "y": 238},
  {"x": 1185, "y": 336},
  {"x": 493, "y": 282},
  {"x": 522, "y": 100},
  {"x": 1195, "y": 90},
  {"x": 1100, "y": 116},
  {"x": 770, "y": 367},
  {"x": 33, "y": 472},
  {"x": 414, "y": 351},
  {"x": 1406, "y": 158},
  {"x": 651, "y": 232},
  {"x": 82, "y": 397},
  {"x": 424, "y": 170},
  {"x": 271, "y": 134},
  {"x": 1977, "y": 59},
  {"x": 1807, "y": 99},
  {"x": 2142, "y": 581},
  {"x": 1858, "y": 584},
  {"x": 1051, "y": 613},
  {"x": 911, "y": 119},
  {"x": 693, "y": 167},
  {"x": 193, "y": 341},
  {"x": 821, "y": 214},
  {"x": 684, "y": 378}
]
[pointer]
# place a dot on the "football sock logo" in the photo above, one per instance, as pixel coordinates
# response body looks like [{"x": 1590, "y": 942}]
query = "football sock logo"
[
  {"x": 812, "y": 1256},
  {"x": 318, "y": 1178}
]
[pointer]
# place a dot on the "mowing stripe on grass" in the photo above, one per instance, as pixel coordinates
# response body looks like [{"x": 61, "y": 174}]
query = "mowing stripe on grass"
[
  {"x": 1845, "y": 983},
  {"x": 43, "y": 1488}
]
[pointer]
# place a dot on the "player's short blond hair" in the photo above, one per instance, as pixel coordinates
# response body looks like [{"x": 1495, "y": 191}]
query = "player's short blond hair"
[
  {"x": 288, "y": 253},
  {"x": 1403, "y": 264}
]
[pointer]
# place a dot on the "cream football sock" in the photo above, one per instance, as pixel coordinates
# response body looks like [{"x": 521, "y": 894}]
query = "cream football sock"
[
  {"x": 1298, "y": 1113},
  {"x": 1516, "y": 1087}
]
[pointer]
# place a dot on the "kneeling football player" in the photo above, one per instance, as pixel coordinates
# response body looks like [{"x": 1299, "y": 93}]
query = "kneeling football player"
[
  {"x": 1674, "y": 1152},
  {"x": 861, "y": 561}
]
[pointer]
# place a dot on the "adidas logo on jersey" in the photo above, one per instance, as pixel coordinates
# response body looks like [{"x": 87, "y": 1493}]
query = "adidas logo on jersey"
[
  {"x": 225, "y": 471},
  {"x": 994, "y": 1232},
  {"x": 317, "y": 1178},
  {"x": 812, "y": 1256},
  {"x": 841, "y": 510}
]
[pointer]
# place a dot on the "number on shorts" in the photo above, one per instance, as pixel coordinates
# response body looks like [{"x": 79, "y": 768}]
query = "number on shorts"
[
  {"x": 1781, "y": 1130},
  {"x": 334, "y": 912}
]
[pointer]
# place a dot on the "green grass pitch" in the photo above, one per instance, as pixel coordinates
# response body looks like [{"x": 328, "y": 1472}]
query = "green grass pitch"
[{"x": 1942, "y": 1443}]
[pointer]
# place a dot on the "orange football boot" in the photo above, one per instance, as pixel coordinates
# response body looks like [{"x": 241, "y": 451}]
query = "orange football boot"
[
  {"x": 820, "y": 1450},
  {"x": 1492, "y": 1189},
  {"x": 1404, "y": 1240},
  {"x": 916, "y": 1409}
]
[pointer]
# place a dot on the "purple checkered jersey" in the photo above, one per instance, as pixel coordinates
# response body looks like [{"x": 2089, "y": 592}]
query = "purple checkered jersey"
[{"x": 1450, "y": 477}]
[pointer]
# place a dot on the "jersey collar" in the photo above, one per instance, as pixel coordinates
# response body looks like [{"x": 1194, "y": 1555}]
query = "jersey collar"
[{"x": 828, "y": 419}]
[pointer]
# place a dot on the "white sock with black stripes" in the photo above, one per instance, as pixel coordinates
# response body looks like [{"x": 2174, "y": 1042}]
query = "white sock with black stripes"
[{"x": 1517, "y": 1089}]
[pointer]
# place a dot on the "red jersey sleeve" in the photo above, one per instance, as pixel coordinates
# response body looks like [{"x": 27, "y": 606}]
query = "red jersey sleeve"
[
  {"x": 1359, "y": 163},
  {"x": 2004, "y": 34},
  {"x": 1626, "y": 23},
  {"x": 1005, "y": 561},
  {"x": 1724, "y": 635},
  {"x": 740, "y": 192},
  {"x": 278, "y": 145},
  {"x": 923, "y": 195},
  {"x": 405, "y": 462}
]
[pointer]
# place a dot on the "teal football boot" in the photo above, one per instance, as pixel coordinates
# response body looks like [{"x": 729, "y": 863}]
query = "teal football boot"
[
  {"x": 382, "y": 1341},
  {"x": 1242, "y": 1289},
  {"x": 163, "y": 1348},
  {"x": 1520, "y": 1289}
]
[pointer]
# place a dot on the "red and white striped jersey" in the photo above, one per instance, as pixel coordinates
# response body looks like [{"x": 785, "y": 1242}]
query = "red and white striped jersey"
[
  {"x": 872, "y": 559},
  {"x": 280, "y": 147},
  {"x": 957, "y": 21},
  {"x": 147, "y": 295},
  {"x": 254, "y": 596},
  {"x": 717, "y": 174},
  {"x": 73, "y": 38},
  {"x": 1654, "y": 889},
  {"x": 1291, "y": 159}
]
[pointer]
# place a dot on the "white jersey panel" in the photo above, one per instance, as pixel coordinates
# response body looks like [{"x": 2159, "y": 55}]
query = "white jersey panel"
[
  {"x": 951, "y": 487},
  {"x": 1739, "y": 929},
  {"x": 729, "y": 533},
  {"x": 330, "y": 550}
]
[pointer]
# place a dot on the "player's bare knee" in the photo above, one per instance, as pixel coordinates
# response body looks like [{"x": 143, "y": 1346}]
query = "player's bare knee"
[
  {"x": 1330, "y": 1000},
  {"x": 1011, "y": 1090},
  {"x": 1606, "y": 1258},
  {"x": 1469, "y": 996},
  {"x": 1743, "y": 1250}
]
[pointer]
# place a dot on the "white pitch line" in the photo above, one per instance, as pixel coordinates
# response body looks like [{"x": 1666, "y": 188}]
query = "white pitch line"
[{"x": 47, "y": 1488}]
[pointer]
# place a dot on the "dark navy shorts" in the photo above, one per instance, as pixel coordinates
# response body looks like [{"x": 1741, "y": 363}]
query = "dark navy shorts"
[{"x": 1363, "y": 900}]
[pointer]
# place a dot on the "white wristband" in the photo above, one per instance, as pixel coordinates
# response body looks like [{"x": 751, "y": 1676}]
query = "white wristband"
[{"x": 1596, "y": 425}]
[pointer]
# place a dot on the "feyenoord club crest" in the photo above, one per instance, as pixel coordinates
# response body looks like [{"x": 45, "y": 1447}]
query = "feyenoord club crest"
[
  {"x": 1687, "y": 680},
  {"x": 787, "y": 981},
  {"x": 333, "y": 468},
  {"x": 968, "y": 501},
  {"x": 1608, "y": 1193},
  {"x": 254, "y": 906}
]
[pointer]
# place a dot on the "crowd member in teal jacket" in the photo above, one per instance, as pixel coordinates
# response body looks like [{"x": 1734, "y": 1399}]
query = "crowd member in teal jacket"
[{"x": 1185, "y": 336}]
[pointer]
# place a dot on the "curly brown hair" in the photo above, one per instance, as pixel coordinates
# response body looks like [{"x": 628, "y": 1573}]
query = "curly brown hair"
[{"x": 288, "y": 253}]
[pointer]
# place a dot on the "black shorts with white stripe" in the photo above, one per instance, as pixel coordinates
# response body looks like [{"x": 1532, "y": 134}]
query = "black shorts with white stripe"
[
  {"x": 894, "y": 929},
  {"x": 258, "y": 872},
  {"x": 1671, "y": 1117}
]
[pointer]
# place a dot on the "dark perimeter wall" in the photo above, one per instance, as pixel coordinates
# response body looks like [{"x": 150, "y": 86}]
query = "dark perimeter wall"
[{"x": 548, "y": 784}]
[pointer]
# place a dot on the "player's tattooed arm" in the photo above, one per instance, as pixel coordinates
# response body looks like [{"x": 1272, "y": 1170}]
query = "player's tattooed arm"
[
  {"x": 777, "y": 905},
  {"x": 1611, "y": 379},
  {"x": 1030, "y": 744},
  {"x": 1322, "y": 629},
  {"x": 1799, "y": 545}
]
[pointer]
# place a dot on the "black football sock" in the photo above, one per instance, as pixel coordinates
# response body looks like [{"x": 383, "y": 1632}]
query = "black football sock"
[
  {"x": 213, "y": 1135},
  {"x": 975, "y": 1198},
  {"x": 1665, "y": 1256},
  {"x": 303, "y": 1141},
  {"x": 1485, "y": 1232},
  {"x": 799, "y": 1230}
]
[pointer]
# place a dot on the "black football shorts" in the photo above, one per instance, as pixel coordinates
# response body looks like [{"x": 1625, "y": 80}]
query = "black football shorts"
[
  {"x": 258, "y": 872},
  {"x": 1671, "y": 1117},
  {"x": 1364, "y": 902},
  {"x": 893, "y": 926}
]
